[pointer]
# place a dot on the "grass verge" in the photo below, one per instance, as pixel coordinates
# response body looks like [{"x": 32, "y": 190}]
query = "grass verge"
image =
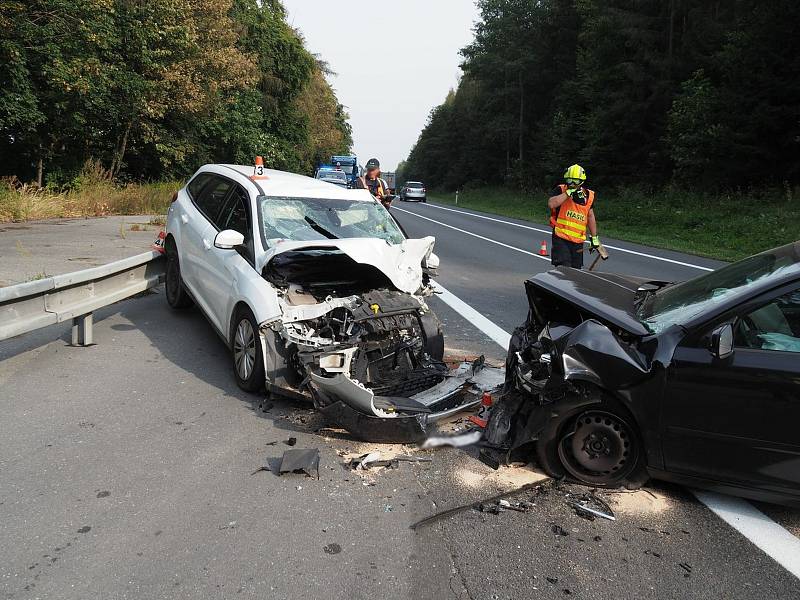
[
  {"x": 726, "y": 226},
  {"x": 90, "y": 199}
]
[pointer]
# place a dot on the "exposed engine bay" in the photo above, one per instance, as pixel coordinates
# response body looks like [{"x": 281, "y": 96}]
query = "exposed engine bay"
[{"x": 370, "y": 356}]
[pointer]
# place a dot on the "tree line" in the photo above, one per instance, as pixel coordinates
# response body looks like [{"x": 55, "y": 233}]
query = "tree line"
[
  {"x": 151, "y": 89},
  {"x": 640, "y": 92}
]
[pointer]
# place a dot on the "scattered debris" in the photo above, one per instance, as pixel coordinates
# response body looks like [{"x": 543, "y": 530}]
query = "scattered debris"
[
  {"x": 291, "y": 441},
  {"x": 456, "y": 441},
  {"x": 496, "y": 508},
  {"x": 451, "y": 511},
  {"x": 363, "y": 462},
  {"x": 374, "y": 460},
  {"x": 686, "y": 567},
  {"x": 332, "y": 549},
  {"x": 589, "y": 506},
  {"x": 300, "y": 460},
  {"x": 488, "y": 458},
  {"x": 559, "y": 530}
]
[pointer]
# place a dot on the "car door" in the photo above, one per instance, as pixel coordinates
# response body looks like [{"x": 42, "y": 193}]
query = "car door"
[
  {"x": 736, "y": 419},
  {"x": 197, "y": 238},
  {"x": 224, "y": 268}
]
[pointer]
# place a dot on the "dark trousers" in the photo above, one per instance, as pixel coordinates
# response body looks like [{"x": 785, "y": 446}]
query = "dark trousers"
[{"x": 564, "y": 253}]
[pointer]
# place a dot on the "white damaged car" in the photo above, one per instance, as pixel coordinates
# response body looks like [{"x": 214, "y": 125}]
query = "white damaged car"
[{"x": 320, "y": 295}]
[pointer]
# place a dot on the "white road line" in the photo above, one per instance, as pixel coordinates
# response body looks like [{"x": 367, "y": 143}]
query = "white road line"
[
  {"x": 499, "y": 335},
  {"x": 772, "y": 539},
  {"x": 480, "y": 237},
  {"x": 547, "y": 231}
]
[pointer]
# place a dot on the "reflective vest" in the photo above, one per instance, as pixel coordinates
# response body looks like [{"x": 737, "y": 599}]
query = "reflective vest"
[
  {"x": 570, "y": 219},
  {"x": 379, "y": 190}
]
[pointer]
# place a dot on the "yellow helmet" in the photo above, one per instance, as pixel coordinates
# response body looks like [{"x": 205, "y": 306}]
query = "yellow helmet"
[{"x": 575, "y": 172}]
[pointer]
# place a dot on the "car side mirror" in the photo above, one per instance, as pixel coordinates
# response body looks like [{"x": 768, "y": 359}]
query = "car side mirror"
[
  {"x": 722, "y": 341},
  {"x": 433, "y": 261},
  {"x": 228, "y": 239}
]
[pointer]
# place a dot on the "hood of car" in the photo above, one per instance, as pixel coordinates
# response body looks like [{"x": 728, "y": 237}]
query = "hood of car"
[
  {"x": 607, "y": 296},
  {"x": 400, "y": 263}
]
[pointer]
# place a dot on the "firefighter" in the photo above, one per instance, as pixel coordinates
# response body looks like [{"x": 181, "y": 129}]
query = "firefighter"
[
  {"x": 571, "y": 214},
  {"x": 372, "y": 181}
]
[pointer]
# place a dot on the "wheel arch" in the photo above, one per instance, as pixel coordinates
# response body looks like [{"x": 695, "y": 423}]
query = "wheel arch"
[{"x": 233, "y": 320}]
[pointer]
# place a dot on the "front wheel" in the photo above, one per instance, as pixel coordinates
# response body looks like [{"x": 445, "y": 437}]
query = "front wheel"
[
  {"x": 248, "y": 358},
  {"x": 598, "y": 445}
]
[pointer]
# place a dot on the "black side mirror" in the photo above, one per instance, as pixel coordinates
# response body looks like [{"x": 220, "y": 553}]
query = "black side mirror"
[{"x": 722, "y": 341}]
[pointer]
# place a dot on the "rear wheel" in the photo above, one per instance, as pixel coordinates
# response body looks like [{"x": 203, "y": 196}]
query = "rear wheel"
[
  {"x": 248, "y": 358},
  {"x": 597, "y": 445},
  {"x": 177, "y": 296}
]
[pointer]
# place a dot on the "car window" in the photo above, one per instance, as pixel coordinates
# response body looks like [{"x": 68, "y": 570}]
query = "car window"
[
  {"x": 236, "y": 214},
  {"x": 300, "y": 219},
  {"x": 196, "y": 185},
  {"x": 212, "y": 198},
  {"x": 414, "y": 184},
  {"x": 775, "y": 326},
  {"x": 679, "y": 303}
]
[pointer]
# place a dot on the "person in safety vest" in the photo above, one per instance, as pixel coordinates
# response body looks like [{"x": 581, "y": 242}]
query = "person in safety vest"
[
  {"x": 372, "y": 181},
  {"x": 571, "y": 214}
]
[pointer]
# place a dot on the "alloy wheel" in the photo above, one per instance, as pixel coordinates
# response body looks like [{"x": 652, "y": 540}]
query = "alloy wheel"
[{"x": 244, "y": 349}]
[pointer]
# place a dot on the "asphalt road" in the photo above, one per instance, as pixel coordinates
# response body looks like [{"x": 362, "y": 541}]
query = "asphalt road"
[
  {"x": 126, "y": 472},
  {"x": 38, "y": 249}
]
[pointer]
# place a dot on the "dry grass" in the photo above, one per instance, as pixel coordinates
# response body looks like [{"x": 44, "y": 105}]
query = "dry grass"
[{"x": 92, "y": 194}]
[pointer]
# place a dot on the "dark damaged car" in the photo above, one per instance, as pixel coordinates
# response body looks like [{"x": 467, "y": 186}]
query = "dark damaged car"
[{"x": 615, "y": 379}]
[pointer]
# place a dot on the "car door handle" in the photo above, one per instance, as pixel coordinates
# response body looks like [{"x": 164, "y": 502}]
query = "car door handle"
[
  {"x": 184, "y": 218},
  {"x": 207, "y": 244}
]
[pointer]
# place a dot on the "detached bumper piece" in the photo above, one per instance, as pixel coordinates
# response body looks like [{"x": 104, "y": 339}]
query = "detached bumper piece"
[{"x": 372, "y": 418}]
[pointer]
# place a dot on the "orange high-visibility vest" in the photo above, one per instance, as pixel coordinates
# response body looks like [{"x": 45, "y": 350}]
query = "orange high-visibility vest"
[
  {"x": 381, "y": 191},
  {"x": 570, "y": 219}
]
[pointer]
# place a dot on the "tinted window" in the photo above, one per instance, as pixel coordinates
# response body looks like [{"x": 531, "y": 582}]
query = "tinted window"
[
  {"x": 236, "y": 215},
  {"x": 196, "y": 185},
  {"x": 775, "y": 326},
  {"x": 414, "y": 184},
  {"x": 212, "y": 198}
]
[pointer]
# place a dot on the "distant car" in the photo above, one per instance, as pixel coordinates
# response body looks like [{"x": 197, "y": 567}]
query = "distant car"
[
  {"x": 318, "y": 293},
  {"x": 615, "y": 379},
  {"x": 413, "y": 191},
  {"x": 334, "y": 176}
]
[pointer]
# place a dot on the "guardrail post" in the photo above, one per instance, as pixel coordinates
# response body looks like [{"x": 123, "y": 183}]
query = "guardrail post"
[{"x": 82, "y": 330}]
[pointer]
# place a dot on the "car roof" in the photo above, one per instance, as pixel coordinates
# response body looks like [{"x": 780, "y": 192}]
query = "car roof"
[{"x": 283, "y": 183}]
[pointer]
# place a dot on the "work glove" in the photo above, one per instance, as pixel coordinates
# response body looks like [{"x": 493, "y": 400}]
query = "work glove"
[
  {"x": 579, "y": 196},
  {"x": 594, "y": 242}
]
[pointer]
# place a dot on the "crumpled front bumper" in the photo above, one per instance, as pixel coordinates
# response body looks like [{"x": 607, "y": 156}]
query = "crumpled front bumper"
[{"x": 372, "y": 418}]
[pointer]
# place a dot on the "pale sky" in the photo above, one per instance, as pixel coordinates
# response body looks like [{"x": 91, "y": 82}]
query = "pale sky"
[{"x": 394, "y": 61}]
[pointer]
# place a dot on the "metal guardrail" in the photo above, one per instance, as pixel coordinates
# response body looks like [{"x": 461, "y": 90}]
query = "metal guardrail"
[{"x": 28, "y": 306}]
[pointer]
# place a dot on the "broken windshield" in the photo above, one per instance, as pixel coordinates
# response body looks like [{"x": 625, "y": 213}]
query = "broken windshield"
[
  {"x": 308, "y": 219},
  {"x": 678, "y": 304}
]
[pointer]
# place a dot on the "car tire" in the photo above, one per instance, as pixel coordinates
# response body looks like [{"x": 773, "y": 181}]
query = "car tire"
[
  {"x": 246, "y": 352},
  {"x": 597, "y": 445},
  {"x": 175, "y": 291}
]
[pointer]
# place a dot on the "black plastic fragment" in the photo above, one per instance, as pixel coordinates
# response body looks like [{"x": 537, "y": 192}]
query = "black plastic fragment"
[{"x": 300, "y": 460}]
